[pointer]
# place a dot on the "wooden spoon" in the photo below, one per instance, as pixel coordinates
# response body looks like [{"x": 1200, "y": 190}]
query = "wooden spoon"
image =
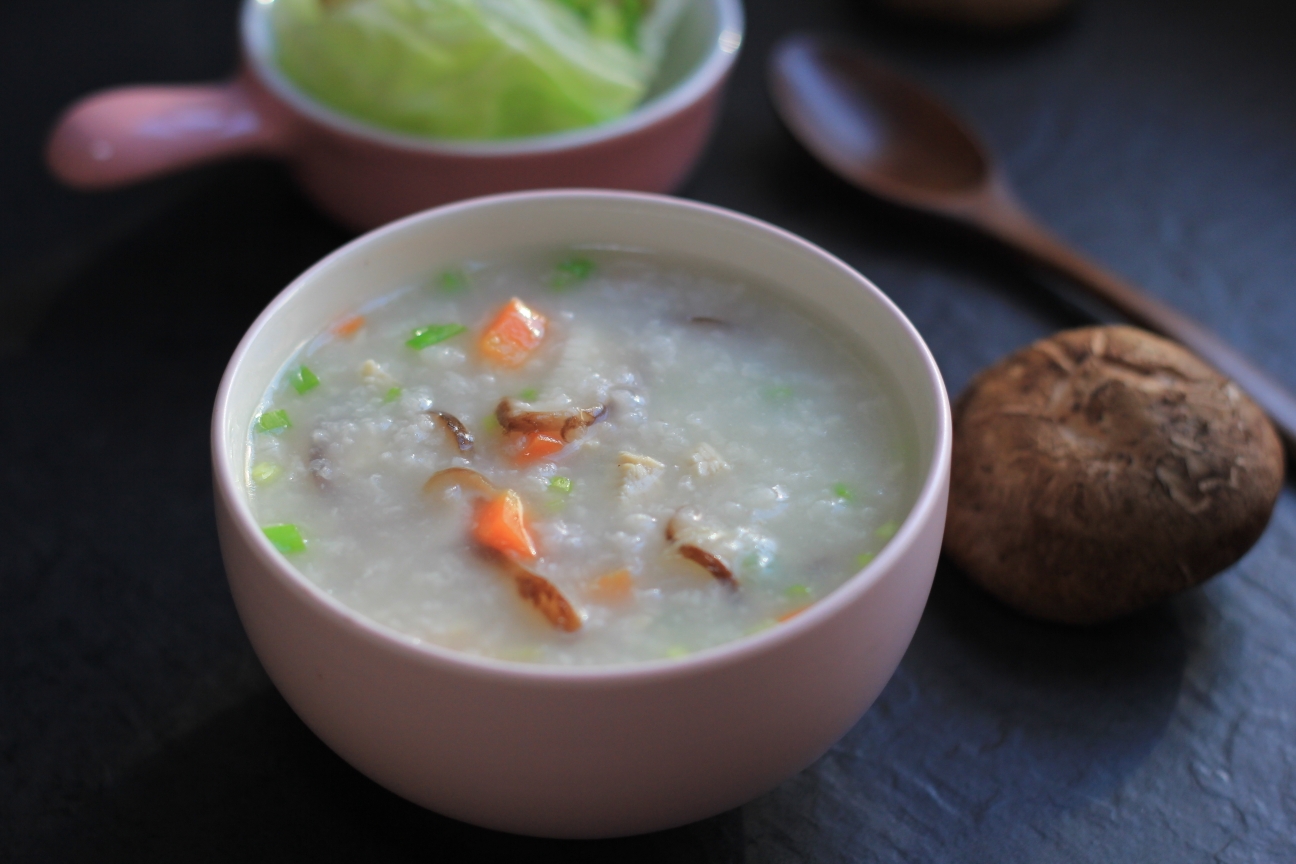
[{"x": 893, "y": 139}]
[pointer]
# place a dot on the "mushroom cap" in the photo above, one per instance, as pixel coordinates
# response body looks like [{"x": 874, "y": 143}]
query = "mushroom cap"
[{"x": 1103, "y": 469}]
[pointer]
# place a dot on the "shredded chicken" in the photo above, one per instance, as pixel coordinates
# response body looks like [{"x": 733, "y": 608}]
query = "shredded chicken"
[
  {"x": 707, "y": 462},
  {"x": 375, "y": 375},
  {"x": 638, "y": 473}
]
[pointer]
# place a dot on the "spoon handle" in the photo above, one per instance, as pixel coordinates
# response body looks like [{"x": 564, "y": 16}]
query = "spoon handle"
[{"x": 1009, "y": 223}]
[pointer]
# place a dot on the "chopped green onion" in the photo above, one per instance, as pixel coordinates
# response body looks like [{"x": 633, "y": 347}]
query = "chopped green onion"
[
  {"x": 528, "y": 395},
  {"x": 675, "y": 652},
  {"x": 864, "y": 559},
  {"x": 489, "y": 423},
  {"x": 571, "y": 272},
  {"x": 797, "y": 592},
  {"x": 303, "y": 380},
  {"x": 777, "y": 393},
  {"x": 452, "y": 281},
  {"x": 264, "y": 472},
  {"x": 432, "y": 334},
  {"x": 561, "y": 484},
  {"x": 286, "y": 538},
  {"x": 272, "y": 421},
  {"x": 392, "y": 395},
  {"x": 886, "y": 530},
  {"x": 844, "y": 492}
]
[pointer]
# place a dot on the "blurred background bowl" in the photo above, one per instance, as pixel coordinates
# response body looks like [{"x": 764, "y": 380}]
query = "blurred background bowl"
[{"x": 363, "y": 175}]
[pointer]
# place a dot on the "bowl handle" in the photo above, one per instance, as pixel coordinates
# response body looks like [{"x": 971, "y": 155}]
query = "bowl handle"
[{"x": 120, "y": 136}]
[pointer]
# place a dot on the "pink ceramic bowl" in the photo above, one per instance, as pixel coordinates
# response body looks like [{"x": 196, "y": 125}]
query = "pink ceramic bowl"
[
  {"x": 365, "y": 176},
  {"x": 588, "y": 751}
]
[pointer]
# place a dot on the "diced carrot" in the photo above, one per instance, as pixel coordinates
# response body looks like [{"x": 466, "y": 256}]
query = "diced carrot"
[
  {"x": 533, "y": 445},
  {"x": 787, "y": 616},
  {"x": 501, "y": 525},
  {"x": 516, "y": 331},
  {"x": 349, "y": 326},
  {"x": 614, "y": 587}
]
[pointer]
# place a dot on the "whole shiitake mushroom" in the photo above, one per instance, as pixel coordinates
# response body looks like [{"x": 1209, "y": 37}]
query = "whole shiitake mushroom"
[
  {"x": 1103, "y": 469},
  {"x": 987, "y": 14}
]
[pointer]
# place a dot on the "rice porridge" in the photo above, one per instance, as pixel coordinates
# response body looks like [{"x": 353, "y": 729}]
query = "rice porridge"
[{"x": 579, "y": 456}]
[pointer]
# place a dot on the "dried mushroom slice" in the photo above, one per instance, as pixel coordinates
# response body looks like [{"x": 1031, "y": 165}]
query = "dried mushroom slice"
[
  {"x": 567, "y": 425},
  {"x": 320, "y": 468},
  {"x": 539, "y": 592},
  {"x": 455, "y": 428},
  {"x": 459, "y": 478},
  {"x": 685, "y": 532}
]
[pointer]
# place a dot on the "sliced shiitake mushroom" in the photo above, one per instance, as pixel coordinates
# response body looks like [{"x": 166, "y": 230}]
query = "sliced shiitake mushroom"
[
  {"x": 566, "y": 425},
  {"x": 708, "y": 562},
  {"x": 542, "y": 594},
  {"x": 321, "y": 470},
  {"x": 462, "y": 478},
  {"x": 677, "y": 532},
  {"x": 531, "y": 587},
  {"x": 455, "y": 428}
]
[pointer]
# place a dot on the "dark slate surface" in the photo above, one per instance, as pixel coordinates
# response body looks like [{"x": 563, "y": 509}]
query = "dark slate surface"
[{"x": 136, "y": 724}]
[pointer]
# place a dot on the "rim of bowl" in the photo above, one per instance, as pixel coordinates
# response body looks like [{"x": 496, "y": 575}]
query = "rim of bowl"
[
  {"x": 725, "y": 653},
  {"x": 255, "y": 35}
]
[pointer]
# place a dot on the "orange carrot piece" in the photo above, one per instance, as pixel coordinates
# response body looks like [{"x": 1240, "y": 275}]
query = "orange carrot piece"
[
  {"x": 516, "y": 331},
  {"x": 788, "y": 616},
  {"x": 614, "y": 587},
  {"x": 501, "y": 525},
  {"x": 530, "y": 446},
  {"x": 349, "y": 326}
]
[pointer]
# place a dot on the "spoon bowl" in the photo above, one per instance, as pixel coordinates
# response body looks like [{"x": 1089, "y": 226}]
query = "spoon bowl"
[
  {"x": 891, "y": 138},
  {"x": 874, "y": 127}
]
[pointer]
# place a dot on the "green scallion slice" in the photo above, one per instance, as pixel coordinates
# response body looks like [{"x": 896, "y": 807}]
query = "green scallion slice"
[
  {"x": 529, "y": 394},
  {"x": 264, "y": 472},
  {"x": 273, "y": 421},
  {"x": 424, "y": 337},
  {"x": 571, "y": 272},
  {"x": 844, "y": 492},
  {"x": 452, "y": 281},
  {"x": 303, "y": 380},
  {"x": 887, "y": 530},
  {"x": 561, "y": 484},
  {"x": 777, "y": 393},
  {"x": 864, "y": 559},
  {"x": 286, "y": 538},
  {"x": 392, "y": 395},
  {"x": 797, "y": 592}
]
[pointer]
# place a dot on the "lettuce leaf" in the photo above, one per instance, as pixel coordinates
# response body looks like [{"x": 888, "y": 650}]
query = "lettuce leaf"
[{"x": 474, "y": 69}]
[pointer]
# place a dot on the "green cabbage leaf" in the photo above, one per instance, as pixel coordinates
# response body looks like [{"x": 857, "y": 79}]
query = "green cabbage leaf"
[{"x": 474, "y": 69}]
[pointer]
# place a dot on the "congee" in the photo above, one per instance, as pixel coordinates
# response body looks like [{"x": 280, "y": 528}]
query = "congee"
[{"x": 579, "y": 456}]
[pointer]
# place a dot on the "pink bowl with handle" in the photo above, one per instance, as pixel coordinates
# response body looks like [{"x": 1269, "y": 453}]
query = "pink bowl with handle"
[
  {"x": 591, "y": 751},
  {"x": 363, "y": 175}
]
